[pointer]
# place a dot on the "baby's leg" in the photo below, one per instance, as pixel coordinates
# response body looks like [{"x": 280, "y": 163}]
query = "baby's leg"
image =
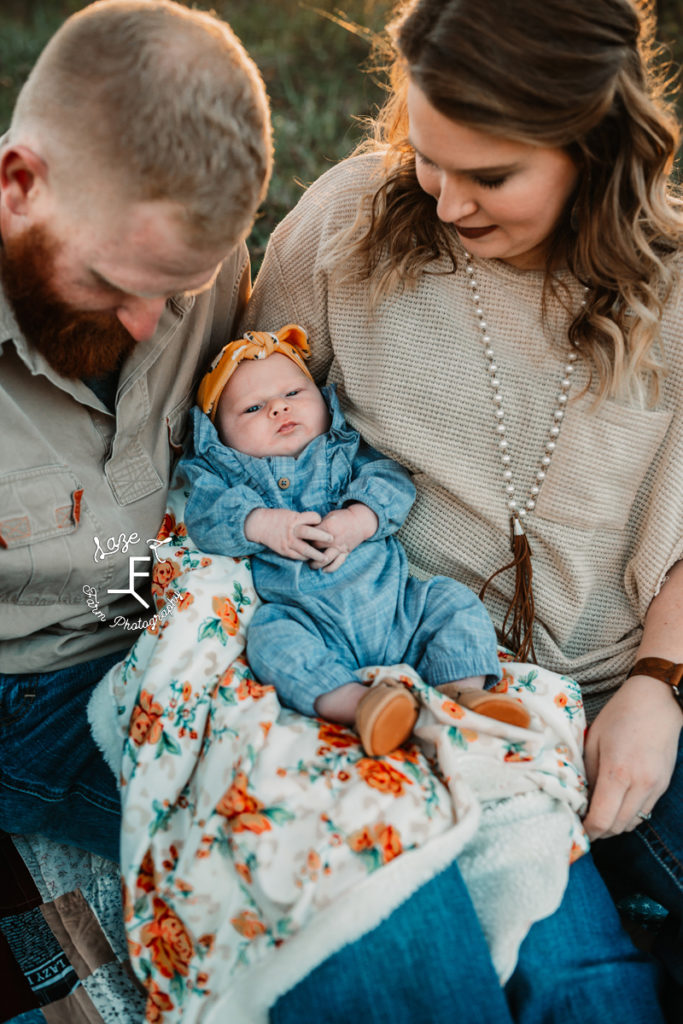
[
  {"x": 340, "y": 705},
  {"x": 286, "y": 650},
  {"x": 454, "y": 649},
  {"x": 383, "y": 715}
]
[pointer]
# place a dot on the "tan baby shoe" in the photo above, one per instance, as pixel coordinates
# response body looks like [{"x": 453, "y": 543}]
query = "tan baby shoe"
[
  {"x": 385, "y": 717},
  {"x": 500, "y": 706}
]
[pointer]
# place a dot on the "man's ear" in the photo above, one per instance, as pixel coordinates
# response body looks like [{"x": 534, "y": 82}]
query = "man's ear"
[{"x": 23, "y": 176}]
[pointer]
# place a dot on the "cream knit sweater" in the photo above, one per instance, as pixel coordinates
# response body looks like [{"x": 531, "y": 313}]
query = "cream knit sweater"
[{"x": 412, "y": 378}]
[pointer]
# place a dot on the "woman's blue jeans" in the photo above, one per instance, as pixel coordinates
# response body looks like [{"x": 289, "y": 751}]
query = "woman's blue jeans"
[
  {"x": 428, "y": 964},
  {"x": 649, "y": 861}
]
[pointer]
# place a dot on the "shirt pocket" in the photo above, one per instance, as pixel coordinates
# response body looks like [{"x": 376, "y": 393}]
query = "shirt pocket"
[
  {"x": 40, "y": 509},
  {"x": 602, "y": 457},
  {"x": 176, "y": 425}
]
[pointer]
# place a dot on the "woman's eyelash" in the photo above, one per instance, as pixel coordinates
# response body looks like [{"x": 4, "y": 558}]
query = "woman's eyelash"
[
  {"x": 424, "y": 159},
  {"x": 491, "y": 182},
  {"x": 484, "y": 182}
]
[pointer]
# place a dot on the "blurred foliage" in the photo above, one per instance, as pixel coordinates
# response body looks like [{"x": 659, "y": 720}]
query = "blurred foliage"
[{"x": 310, "y": 62}]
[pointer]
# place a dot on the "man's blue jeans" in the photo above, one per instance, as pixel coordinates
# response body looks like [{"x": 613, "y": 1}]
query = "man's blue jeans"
[{"x": 53, "y": 779}]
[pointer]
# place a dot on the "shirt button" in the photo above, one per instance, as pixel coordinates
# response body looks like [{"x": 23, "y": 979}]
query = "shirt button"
[{"x": 283, "y": 483}]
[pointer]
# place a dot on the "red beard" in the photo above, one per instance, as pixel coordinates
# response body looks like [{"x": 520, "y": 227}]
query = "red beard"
[{"x": 75, "y": 344}]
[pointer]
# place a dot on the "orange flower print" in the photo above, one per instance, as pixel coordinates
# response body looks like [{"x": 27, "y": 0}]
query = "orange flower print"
[
  {"x": 244, "y": 872},
  {"x": 158, "y": 1003},
  {"x": 145, "y": 722},
  {"x": 227, "y": 613},
  {"x": 184, "y": 601},
  {"x": 167, "y": 526},
  {"x": 145, "y": 879},
  {"x": 163, "y": 573},
  {"x": 453, "y": 709},
  {"x": 250, "y": 688},
  {"x": 248, "y": 924},
  {"x": 576, "y": 851},
  {"x": 236, "y": 800},
  {"x": 408, "y": 753},
  {"x": 207, "y": 941},
  {"x": 257, "y": 823},
  {"x": 516, "y": 755},
  {"x": 362, "y": 839},
  {"x": 241, "y": 809},
  {"x": 313, "y": 862},
  {"x": 382, "y": 776},
  {"x": 503, "y": 684},
  {"x": 337, "y": 736},
  {"x": 561, "y": 700},
  {"x": 390, "y": 843},
  {"x": 167, "y": 938},
  {"x": 469, "y": 735}
]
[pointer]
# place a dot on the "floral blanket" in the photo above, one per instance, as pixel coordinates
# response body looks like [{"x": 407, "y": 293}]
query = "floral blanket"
[{"x": 256, "y": 841}]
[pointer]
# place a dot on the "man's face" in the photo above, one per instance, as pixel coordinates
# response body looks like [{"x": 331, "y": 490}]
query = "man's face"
[
  {"x": 75, "y": 344},
  {"x": 85, "y": 286}
]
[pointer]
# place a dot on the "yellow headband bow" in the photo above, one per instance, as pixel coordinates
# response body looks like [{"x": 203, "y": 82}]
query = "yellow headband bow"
[{"x": 290, "y": 341}]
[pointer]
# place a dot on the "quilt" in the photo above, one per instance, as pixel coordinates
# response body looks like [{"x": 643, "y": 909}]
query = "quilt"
[
  {"x": 256, "y": 841},
  {"x": 63, "y": 951}
]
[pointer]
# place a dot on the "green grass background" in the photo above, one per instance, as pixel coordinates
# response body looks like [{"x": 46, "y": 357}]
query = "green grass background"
[{"x": 312, "y": 66}]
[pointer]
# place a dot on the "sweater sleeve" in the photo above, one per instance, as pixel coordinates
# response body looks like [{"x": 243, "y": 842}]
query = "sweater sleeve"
[
  {"x": 658, "y": 509},
  {"x": 384, "y": 486}
]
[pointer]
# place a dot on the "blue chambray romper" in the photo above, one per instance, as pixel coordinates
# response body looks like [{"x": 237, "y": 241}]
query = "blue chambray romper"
[{"x": 316, "y": 630}]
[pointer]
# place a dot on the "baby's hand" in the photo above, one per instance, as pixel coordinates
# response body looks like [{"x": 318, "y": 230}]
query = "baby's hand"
[
  {"x": 286, "y": 532},
  {"x": 349, "y": 527}
]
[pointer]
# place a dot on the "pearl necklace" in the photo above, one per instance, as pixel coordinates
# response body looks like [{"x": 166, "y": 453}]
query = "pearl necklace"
[{"x": 522, "y": 603}]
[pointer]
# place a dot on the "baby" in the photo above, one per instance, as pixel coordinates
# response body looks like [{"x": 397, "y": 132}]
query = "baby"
[{"x": 276, "y": 473}]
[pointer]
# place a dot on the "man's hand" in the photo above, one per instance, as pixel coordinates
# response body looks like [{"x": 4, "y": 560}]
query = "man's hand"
[
  {"x": 348, "y": 527},
  {"x": 286, "y": 532},
  {"x": 630, "y": 755}
]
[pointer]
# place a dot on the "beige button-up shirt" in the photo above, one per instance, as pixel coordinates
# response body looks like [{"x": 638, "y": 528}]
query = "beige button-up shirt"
[{"x": 82, "y": 489}]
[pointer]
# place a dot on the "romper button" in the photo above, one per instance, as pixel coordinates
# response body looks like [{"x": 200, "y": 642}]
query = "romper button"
[{"x": 283, "y": 483}]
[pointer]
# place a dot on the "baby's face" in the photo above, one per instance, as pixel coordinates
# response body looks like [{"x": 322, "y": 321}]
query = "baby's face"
[{"x": 270, "y": 407}]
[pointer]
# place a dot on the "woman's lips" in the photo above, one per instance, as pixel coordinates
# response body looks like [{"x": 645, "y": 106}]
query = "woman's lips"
[{"x": 475, "y": 232}]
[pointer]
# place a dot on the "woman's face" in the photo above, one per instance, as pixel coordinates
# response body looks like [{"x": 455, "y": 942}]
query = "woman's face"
[{"x": 503, "y": 197}]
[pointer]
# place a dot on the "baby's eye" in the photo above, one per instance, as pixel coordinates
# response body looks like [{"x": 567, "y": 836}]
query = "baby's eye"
[
  {"x": 290, "y": 394},
  {"x": 253, "y": 408}
]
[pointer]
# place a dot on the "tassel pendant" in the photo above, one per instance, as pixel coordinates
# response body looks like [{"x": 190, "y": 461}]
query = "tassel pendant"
[{"x": 517, "y": 630}]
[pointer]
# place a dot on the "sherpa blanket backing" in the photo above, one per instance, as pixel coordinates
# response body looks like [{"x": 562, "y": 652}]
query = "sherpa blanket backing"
[{"x": 256, "y": 842}]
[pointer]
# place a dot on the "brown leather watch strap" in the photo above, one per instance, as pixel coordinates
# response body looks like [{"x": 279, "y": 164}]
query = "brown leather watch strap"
[{"x": 666, "y": 671}]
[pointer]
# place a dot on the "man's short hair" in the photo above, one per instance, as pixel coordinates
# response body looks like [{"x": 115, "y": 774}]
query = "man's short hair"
[{"x": 163, "y": 101}]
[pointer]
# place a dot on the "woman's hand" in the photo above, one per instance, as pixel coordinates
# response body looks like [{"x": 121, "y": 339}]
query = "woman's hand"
[
  {"x": 286, "y": 532},
  {"x": 349, "y": 527},
  {"x": 630, "y": 755}
]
